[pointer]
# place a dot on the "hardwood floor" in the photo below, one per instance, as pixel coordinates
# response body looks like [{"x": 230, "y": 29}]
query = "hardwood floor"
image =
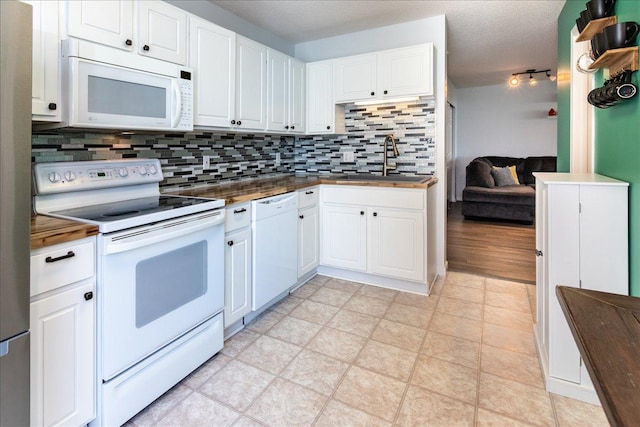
[{"x": 492, "y": 248}]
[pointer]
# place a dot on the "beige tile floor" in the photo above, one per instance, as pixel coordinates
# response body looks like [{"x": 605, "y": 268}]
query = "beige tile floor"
[{"x": 337, "y": 353}]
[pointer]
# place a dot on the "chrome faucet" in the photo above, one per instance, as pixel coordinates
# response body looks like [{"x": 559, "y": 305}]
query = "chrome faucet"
[{"x": 385, "y": 167}]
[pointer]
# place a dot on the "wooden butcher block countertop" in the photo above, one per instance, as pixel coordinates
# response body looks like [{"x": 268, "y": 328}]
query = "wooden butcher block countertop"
[
  {"x": 47, "y": 231},
  {"x": 247, "y": 190}
]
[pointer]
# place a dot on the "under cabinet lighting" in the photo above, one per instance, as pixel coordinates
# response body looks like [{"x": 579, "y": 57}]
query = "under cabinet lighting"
[{"x": 387, "y": 101}]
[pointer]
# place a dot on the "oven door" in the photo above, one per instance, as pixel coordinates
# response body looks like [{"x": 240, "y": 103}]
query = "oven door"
[{"x": 156, "y": 283}]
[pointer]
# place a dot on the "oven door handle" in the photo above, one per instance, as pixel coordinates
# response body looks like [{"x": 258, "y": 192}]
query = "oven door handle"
[{"x": 161, "y": 232}]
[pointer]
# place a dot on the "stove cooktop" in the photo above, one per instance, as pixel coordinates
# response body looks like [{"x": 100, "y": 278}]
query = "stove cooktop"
[{"x": 124, "y": 214}]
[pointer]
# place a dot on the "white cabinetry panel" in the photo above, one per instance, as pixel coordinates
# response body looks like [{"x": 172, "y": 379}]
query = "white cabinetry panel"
[
  {"x": 237, "y": 275},
  {"x": 344, "y": 230},
  {"x": 162, "y": 31},
  {"x": 251, "y": 84},
  {"x": 212, "y": 55},
  {"x": 108, "y": 22}
]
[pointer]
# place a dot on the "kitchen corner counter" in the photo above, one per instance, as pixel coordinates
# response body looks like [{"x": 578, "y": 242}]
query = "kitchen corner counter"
[
  {"x": 247, "y": 190},
  {"x": 47, "y": 231}
]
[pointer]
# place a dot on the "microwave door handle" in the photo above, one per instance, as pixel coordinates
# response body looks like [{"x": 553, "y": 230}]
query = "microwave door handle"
[{"x": 177, "y": 108}]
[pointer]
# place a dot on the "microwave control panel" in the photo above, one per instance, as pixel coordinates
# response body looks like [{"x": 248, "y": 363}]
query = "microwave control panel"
[{"x": 61, "y": 177}]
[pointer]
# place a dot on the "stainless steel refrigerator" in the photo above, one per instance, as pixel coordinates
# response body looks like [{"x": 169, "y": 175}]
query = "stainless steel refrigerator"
[{"x": 15, "y": 194}]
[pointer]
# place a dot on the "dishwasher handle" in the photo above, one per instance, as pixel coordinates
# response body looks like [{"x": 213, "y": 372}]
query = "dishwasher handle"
[{"x": 277, "y": 200}]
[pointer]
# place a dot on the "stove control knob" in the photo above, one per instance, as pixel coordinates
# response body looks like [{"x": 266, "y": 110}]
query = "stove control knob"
[
  {"x": 142, "y": 170},
  {"x": 54, "y": 177},
  {"x": 69, "y": 176},
  {"x": 123, "y": 172},
  {"x": 153, "y": 170}
]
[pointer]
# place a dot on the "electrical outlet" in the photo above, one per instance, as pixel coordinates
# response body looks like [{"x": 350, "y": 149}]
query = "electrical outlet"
[
  {"x": 348, "y": 156},
  {"x": 277, "y": 159},
  {"x": 206, "y": 162}
]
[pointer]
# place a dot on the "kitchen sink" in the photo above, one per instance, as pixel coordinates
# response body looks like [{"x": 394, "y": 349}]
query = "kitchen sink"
[{"x": 390, "y": 178}]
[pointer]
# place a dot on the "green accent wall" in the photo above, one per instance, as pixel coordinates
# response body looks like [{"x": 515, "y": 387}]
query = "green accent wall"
[{"x": 617, "y": 129}]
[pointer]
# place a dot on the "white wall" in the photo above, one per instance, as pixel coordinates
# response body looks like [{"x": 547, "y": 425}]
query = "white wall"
[
  {"x": 503, "y": 121},
  {"x": 427, "y": 30}
]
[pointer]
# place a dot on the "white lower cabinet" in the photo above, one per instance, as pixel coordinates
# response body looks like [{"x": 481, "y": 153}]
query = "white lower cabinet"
[
  {"x": 308, "y": 231},
  {"x": 237, "y": 264},
  {"x": 377, "y": 231},
  {"x": 63, "y": 334},
  {"x": 582, "y": 242}
]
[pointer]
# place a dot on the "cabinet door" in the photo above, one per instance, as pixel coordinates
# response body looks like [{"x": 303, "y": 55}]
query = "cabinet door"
[
  {"x": 212, "y": 55},
  {"x": 320, "y": 104},
  {"x": 542, "y": 285},
  {"x": 63, "y": 357},
  {"x": 45, "y": 101},
  {"x": 108, "y": 22},
  {"x": 344, "y": 240},
  {"x": 563, "y": 236},
  {"x": 355, "y": 78},
  {"x": 237, "y": 271},
  {"x": 297, "y": 96},
  {"x": 251, "y": 84},
  {"x": 278, "y": 91},
  {"x": 162, "y": 31},
  {"x": 397, "y": 243},
  {"x": 406, "y": 71},
  {"x": 603, "y": 238},
  {"x": 308, "y": 244}
]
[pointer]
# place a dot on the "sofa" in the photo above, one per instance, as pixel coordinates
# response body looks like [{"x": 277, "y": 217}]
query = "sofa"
[{"x": 492, "y": 190}]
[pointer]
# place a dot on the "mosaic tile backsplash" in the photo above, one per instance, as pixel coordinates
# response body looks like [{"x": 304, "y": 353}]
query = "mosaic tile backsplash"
[
  {"x": 243, "y": 156},
  {"x": 412, "y": 124}
]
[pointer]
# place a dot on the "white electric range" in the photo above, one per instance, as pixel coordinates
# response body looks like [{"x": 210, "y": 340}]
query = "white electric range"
[{"x": 160, "y": 275}]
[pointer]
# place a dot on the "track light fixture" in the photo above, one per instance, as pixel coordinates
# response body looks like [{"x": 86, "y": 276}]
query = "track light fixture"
[{"x": 515, "y": 81}]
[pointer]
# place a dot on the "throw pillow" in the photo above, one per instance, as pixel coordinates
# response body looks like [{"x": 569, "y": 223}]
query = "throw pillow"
[
  {"x": 514, "y": 174},
  {"x": 479, "y": 173},
  {"x": 502, "y": 176}
]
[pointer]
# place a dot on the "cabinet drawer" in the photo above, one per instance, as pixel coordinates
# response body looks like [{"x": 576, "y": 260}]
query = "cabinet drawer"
[
  {"x": 401, "y": 198},
  {"x": 60, "y": 265},
  {"x": 308, "y": 197},
  {"x": 237, "y": 216}
]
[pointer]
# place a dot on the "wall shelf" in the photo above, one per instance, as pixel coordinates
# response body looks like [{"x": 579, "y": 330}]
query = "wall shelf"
[
  {"x": 618, "y": 60},
  {"x": 595, "y": 26}
]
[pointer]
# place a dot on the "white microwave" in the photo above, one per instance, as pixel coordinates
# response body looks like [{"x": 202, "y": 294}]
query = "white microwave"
[{"x": 105, "y": 88}]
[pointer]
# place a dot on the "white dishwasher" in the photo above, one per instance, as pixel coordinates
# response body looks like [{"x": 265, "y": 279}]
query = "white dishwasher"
[{"x": 275, "y": 246}]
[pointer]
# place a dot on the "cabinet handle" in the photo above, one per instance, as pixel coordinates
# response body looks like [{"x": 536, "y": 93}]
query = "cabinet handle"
[
  {"x": 233, "y": 122},
  {"x": 239, "y": 122},
  {"x": 145, "y": 48},
  {"x": 538, "y": 253},
  {"x": 308, "y": 192},
  {"x": 361, "y": 212},
  {"x": 375, "y": 214},
  {"x": 88, "y": 296},
  {"x": 373, "y": 93},
  {"x": 230, "y": 243},
  {"x": 328, "y": 127},
  {"x": 386, "y": 92},
  {"x": 293, "y": 127},
  {"x": 53, "y": 106},
  {"x": 69, "y": 254},
  {"x": 301, "y": 217},
  {"x": 128, "y": 42},
  {"x": 286, "y": 127},
  {"x": 237, "y": 211}
]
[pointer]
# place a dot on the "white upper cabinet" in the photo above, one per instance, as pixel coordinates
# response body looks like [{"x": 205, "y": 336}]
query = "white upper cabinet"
[
  {"x": 162, "y": 31},
  {"x": 45, "y": 81},
  {"x": 159, "y": 30},
  {"x": 407, "y": 71},
  {"x": 386, "y": 74},
  {"x": 251, "y": 85},
  {"x": 297, "y": 96},
  {"x": 212, "y": 55},
  {"x": 323, "y": 116},
  {"x": 355, "y": 78},
  {"x": 108, "y": 22},
  {"x": 286, "y": 93}
]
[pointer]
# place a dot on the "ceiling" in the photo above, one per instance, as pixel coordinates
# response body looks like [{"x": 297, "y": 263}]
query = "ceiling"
[{"x": 487, "y": 40}]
